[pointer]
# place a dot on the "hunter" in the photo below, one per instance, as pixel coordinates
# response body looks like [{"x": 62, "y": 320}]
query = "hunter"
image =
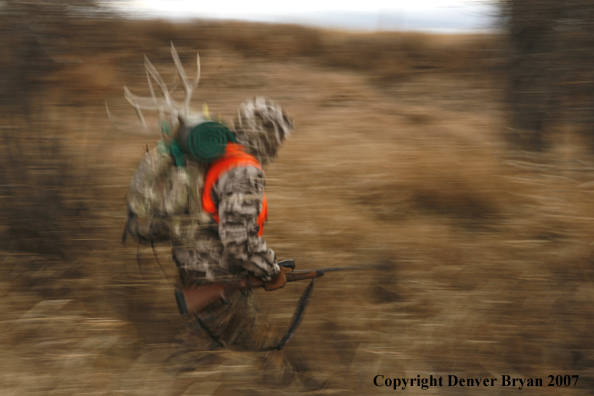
[
  {"x": 212, "y": 208},
  {"x": 202, "y": 189}
]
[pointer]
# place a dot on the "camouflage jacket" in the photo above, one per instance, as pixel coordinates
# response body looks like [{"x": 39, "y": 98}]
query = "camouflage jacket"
[{"x": 164, "y": 204}]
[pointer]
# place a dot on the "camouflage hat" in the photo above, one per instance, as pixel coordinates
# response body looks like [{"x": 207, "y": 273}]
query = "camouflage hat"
[{"x": 261, "y": 127}]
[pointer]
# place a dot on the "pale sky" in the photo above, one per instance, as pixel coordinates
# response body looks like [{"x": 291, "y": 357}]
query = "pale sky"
[
  {"x": 363, "y": 14},
  {"x": 299, "y": 6}
]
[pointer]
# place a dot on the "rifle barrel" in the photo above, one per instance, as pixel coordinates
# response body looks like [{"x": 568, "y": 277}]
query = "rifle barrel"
[
  {"x": 314, "y": 273},
  {"x": 331, "y": 269}
]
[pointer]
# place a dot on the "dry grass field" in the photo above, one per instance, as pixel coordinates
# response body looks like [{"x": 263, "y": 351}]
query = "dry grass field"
[{"x": 397, "y": 159}]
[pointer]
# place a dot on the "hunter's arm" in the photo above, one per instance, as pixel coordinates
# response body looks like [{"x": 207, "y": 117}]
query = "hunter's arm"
[{"x": 239, "y": 194}]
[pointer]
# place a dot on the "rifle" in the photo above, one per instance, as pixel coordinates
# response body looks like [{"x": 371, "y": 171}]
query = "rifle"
[{"x": 194, "y": 300}]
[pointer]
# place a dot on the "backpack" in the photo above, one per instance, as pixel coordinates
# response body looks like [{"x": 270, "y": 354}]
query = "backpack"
[{"x": 158, "y": 192}]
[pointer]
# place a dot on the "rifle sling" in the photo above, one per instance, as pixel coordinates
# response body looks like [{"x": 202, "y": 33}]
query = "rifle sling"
[
  {"x": 295, "y": 321},
  {"x": 207, "y": 330}
]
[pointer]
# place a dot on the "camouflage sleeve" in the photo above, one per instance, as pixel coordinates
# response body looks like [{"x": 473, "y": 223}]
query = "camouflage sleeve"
[{"x": 239, "y": 194}]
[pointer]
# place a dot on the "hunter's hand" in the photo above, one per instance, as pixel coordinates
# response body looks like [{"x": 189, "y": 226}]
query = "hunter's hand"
[{"x": 278, "y": 281}]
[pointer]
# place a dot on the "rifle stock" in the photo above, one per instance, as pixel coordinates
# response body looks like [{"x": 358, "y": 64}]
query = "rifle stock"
[
  {"x": 301, "y": 275},
  {"x": 197, "y": 299}
]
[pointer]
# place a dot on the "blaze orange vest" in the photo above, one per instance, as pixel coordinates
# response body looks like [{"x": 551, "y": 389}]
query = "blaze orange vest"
[{"x": 234, "y": 157}]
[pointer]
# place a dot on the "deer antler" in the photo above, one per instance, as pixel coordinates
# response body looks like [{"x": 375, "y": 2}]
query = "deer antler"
[
  {"x": 187, "y": 87},
  {"x": 164, "y": 104}
]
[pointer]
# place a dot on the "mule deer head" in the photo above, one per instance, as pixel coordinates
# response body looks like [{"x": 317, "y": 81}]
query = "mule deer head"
[{"x": 169, "y": 110}]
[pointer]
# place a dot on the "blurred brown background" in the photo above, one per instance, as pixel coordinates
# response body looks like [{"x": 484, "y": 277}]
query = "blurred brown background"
[{"x": 462, "y": 162}]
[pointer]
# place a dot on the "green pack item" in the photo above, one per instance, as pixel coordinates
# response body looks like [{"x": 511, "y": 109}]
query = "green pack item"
[{"x": 206, "y": 141}]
